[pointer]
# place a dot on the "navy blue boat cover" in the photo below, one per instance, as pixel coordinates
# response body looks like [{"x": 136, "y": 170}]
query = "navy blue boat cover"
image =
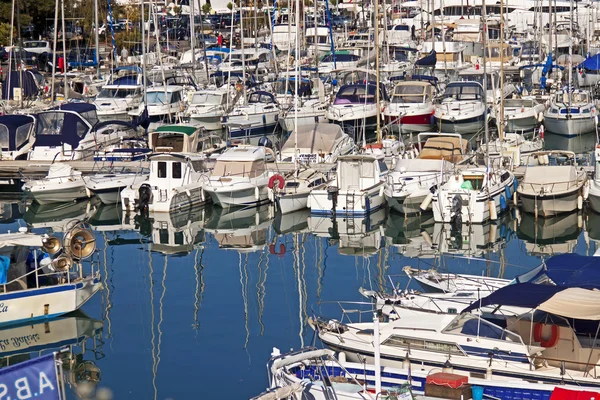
[{"x": 591, "y": 63}]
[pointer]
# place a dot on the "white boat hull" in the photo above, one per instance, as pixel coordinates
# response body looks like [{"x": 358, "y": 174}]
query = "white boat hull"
[
  {"x": 546, "y": 206},
  {"x": 290, "y": 202},
  {"x": 57, "y": 194},
  {"x": 241, "y": 195},
  {"x": 46, "y": 302},
  {"x": 569, "y": 127},
  {"x": 350, "y": 203},
  {"x": 594, "y": 196}
]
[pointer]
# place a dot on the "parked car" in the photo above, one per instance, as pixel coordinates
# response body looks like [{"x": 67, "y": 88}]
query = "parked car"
[{"x": 37, "y": 46}]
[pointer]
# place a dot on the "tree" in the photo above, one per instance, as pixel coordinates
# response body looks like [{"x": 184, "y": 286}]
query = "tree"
[
  {"x": 206, "y": 8},
  {"x": 5, "y": 33},
  {"x": 230, "y": 5}
]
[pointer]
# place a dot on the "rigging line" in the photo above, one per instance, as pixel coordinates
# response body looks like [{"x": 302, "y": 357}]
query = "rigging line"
[
  {"x": 303, "y": 263},
  {"x": 263, "y": 293},
  {"x": 198, "y": 268},
  {"x": 319, "y": 262},
  {"x": 259, "y": 301},
  {"x": 246, "y": 308}
]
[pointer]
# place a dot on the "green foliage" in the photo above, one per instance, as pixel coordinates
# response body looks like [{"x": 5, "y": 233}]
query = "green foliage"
[
  {"x": 230, "y": 5},
  {"x": 126, "y": 39},
  {"x": 5, "y": 33},
  {"x": 206, "y": 8}
]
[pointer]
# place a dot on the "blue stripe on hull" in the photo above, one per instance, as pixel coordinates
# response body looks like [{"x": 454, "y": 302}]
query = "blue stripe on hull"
[{"x": 37, "y": 292}]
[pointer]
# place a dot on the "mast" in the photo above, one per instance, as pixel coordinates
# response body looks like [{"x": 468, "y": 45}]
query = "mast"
[
  {"x": 296, "y": 85},
  {"x": 53, "y": 51},
  {"x": 65, "y": 80},
  {"x": 97, "y": 40},
  {"x": 243, "y": 53},
  {"x": 377, "y": 94},
  {"x": 501, "y": 114}
]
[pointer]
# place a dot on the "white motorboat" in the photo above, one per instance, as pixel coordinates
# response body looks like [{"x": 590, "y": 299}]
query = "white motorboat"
[
  {"x": 413, "y": 179},
  {"x": 449, "y": 60},
  {"x": 514, "y": 145},
  {"x": 522, "y": 115},
  {"x": 492, "y": 79},
  {"x": 473, "y": 195},
  {"x": 549, "y": 189},
  {"x": 434, "y": 281},
  {"x": 115, "y": 101},
  {"x": 207, "y": 108},
  {"x": 255, "y": 119},
  {"x": 461, "y": 109},
  {"x": 355, "y": 108},
  {"x": 163, "y": 105},
  {"x": 108, "y": 187},
  {"x": 318, "y": 41},
  {"x": 58, "y": 285},
  {"x": 411, "y": 107},
  {"x": 571, "y": 113},
  {"x": 594, "y": 195},
  {"x": 357, "y": 191},
  {"x": 175, "y": 182},
  {"x": 62, "y": 184},
  {"x": 240, "y": 177},
  {"x": 316, "y": 143},
  {"x": 290, "y": 191}
]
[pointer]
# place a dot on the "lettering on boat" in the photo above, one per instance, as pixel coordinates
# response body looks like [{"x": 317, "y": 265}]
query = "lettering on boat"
[{"x": 18, "y": 341}]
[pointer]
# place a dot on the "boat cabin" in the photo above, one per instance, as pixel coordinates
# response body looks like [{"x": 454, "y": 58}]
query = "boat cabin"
[
  {"x": 317, "y": 143},
  {"x": 17, "y": 136},
  {"x": 358, "y": 172},
  {"x": 460, "y": 91},
  {"x": 411, "y": 92},
  {"x": 174, "y": 170},
  {"x": 60, "y": 130},
  {"x": 442, "y": 146},
  {"x": 175, "y": 138},
  {"x": 359, "y": 94},
  {"x": 241, "y": 162}
]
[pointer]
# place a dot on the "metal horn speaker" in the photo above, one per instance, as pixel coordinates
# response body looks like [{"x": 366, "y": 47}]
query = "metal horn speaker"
[
  {"x": 80, "y": 243},
  {"x": 62, "y": 263},
  {"x": 51, "y": 245}
]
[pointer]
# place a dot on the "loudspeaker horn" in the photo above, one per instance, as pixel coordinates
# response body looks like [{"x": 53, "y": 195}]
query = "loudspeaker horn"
[
  {"x": 80, "y": 243},
  {"x": 51, "y": 245},
  {"x": 62, "y": 263}
]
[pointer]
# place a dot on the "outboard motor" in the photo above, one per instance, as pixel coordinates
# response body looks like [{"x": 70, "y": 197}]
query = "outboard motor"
[
  {"x": 265, "y": 142},
  {"x": 456, "y": 211},
  {"x": 145, "y": 198}
]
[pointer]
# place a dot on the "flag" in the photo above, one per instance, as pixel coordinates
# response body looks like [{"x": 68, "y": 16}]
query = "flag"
[{"x": 35, "y": 378}]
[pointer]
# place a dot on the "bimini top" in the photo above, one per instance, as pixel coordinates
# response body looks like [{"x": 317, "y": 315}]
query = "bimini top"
[
  {"x": 243, "y": 153},
  {"x": 314, "y": 138},
  {"x": 186, "y": 130},
  {"x": 14, "y": 131},
  {"x": 570, "y": 279}
]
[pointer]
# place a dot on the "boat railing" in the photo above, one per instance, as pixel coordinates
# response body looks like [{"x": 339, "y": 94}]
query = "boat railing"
[
  {"x": 548, "y": 188},
  {"x": 65, "y": 277}
]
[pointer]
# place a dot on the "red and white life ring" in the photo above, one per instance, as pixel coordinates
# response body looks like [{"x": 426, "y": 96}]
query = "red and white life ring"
[
  {"x": 281, "y": 251},
  {"x": 551, "y": 341},
  {"x": 276, "y": 178}
]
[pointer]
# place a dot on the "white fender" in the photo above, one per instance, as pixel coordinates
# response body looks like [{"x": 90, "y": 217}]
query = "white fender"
[
  {"x": 271, "y": 195},
  {"x": 203, "y": 196},
  {"x": 579, "y": 221},
  {"x": 308, "y": 201},
  {"x": 586, "y": 190},
  {"x": 426, "y": 202},
  {"x": 427, "y": 238},
  {"x": 579, "y": 202},
  {"x": 256, "y": 193},
  {"x": 381, "y": 191},
  {"x": 88, "y": 192},
  {"x": 493, "y": 213},
  {"x": 515, "y": 201},
  {"x": 493, "y": 230}
]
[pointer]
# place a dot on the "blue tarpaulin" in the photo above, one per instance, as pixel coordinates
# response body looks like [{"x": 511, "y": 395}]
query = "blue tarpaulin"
[
  {"x": 29, "y": 86},
  {"x": 4, "y": 264},
  {"x": 571, "y": 270},
  {"x": 591, "y": 63}
]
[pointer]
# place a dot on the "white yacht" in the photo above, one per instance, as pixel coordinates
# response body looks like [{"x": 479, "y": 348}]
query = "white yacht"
[
  {"x": 411, "y": 107},
  {"x": 522, "y": 115},
  {"x": 115, "y": 101},
  {"x": 316, "y": 143},
  {"x": 108, "y": 187},
  {"x": 318, "y": 40},
  {"x": 357, "y": 191},
  {"x": 164, "y": 104},
  {"x": 290, "y": 192},
  {"x": 571, "y": 113},
  {"x": 257, "y": 118},
  {"x": 207, "y": 108},
  {"x": 549, "y": 188},
  {"x": 240, "y": 177},
  {"x": 461, "y": 108}
]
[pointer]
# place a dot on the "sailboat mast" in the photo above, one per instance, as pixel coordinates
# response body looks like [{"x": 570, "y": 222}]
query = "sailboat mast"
[
  {"x": 243, "y": 53},
  {"x": 501, "y": 113},
  {"x": 296, "y": 83},
  {"x": 570, "y": 72},
  {"x": 377, "y": 94},
  {"x": 97, "y": 40},
  {"x": 53, "y": 52},
  {"x": 66, "y": 64}
]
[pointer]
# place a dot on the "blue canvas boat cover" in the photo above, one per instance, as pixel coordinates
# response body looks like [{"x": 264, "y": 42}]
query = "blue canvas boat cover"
[
  {"x": 572, "y": 270},
  {"x": 29, "y": 86},
  {"x": 428, "y": 61},
  {"x": 591, "y": 63}
]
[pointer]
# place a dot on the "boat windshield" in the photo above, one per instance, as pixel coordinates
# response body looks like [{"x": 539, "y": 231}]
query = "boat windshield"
[
  {"x": 208, "y": 98},
  {"x": 243, "y": 169},
  {"x": 158, "y": 98},
  {"x": 471, "y": 325},
  {"x": 466, "y": 91},
  {"x": 408, "y": 94},
  {"x": 356, "y": 94},
  {"x": 114, "y": 93}
]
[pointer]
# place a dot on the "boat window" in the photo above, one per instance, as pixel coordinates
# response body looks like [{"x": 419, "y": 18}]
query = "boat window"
[
  {"x": 163, "y": 236},
  {"x": 4, "y": 144},
  {"x": 50, "y": 123},
  {"x": 162, "y": 169},
  {"x": 382, "y": 166},
  {"x": 175, "y": 97},
  {"x": 207, "y": 98},
  {"x": 471, "y": 325},
  {"x": 408, "y": 94},
  {"x": 156, "y": 97},
  {"x": 292, "y": 184},
  {"x": 178, "y": 238},
  {"x": 475, "y": 181},
  {"x": 176, "y": 167},
  {"x": 421, "y": 344},
  {"x": 81, "y": 129},
  {"x": 316, "y": 182},
  {"x": 90, "y": 116},
  {"x": 356, "y": 94},
  {"x": 22, "y": 134},
  {"x": 198, "y": 166},
  {"x": 114, "y": 93}
]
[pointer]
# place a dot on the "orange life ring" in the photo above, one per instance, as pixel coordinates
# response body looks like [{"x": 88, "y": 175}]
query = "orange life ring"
[
  {"x": 281, "y": 249},
  {"x": 276, "y": 178},
  {"x": 551, "y": 341}
]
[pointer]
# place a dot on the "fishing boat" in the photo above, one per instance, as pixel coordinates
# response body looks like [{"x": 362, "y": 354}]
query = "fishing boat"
[
  {"x": 473, "y": 195},
  {"x": 571, "y": 113},
  {"x": 461, "y": 108},
  {"x": 58, "y": 284},
  {"x": 413, "y": 179},
  {"x": 176, "y": 182},
  {"x": 548, "y": 189},
  {"x": 357, "y": 191},
  {"x": 62, "y": 184},
  {"x": 240, "y": 177},
  {"x": 411, "y": 107}
]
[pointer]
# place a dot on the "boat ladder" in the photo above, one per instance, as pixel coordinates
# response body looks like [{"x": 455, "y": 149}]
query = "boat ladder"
[
  {"x": 350, "y": 202},
  {"x": 162, "y": 195}
]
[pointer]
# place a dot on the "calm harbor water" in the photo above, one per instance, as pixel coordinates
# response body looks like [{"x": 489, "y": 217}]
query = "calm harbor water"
[{"x": 194, "y": 303}]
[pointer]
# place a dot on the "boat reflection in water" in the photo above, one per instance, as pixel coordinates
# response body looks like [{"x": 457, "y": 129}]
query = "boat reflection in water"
[
  {"x": 593, "y": 229},
  {"x": 548, "y": 236},
  {"x": 77, "y": 336},
  {"x": 179, "y": 232},
  {"x": 579, "y": 144},
  {"x": 355, "y": 236},
  {"x": 57, "y": 215},
  {"x": 475, "y": 240},
  {"x": 11, "y": 210},
  {"x": 292, "y": 222},
  {"x": 110, "y": 217},
  {"x": 242, "y": 229},
  {"x": 411, "y": 235}
]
